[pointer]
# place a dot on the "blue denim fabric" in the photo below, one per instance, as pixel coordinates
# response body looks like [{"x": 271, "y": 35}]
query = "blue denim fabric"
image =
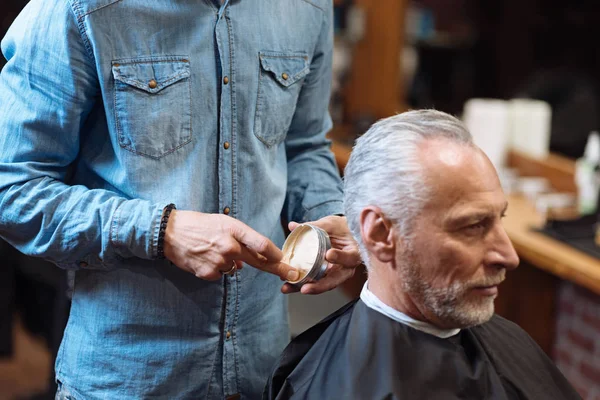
[{"x": 109, "y": 110}]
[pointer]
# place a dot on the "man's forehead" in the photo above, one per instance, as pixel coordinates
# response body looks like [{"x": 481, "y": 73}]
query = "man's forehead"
[
  {"x": 442, "y": 152},
  {"x": 459, "y": 177},
  {"x": 450, "y": 155}
]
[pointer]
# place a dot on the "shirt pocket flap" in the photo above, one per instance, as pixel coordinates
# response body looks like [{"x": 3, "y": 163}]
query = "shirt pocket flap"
[
  {"x": 152, "y": 76},
  {"x": 286, "y": 68}
]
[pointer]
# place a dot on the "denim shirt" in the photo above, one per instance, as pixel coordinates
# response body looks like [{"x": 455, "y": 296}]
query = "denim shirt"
[{"x": 111, "y": 109}]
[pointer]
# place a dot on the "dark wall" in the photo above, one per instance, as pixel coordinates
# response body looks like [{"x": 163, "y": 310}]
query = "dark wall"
[
  {"x": 9, "y": 9},
  {"x": 543, "y": 49}
]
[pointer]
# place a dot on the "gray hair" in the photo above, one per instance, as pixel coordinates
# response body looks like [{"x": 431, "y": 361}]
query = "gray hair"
[{"x": 384, "y": 169}]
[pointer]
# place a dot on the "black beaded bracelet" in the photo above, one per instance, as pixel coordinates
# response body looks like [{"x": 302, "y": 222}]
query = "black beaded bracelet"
[{"x": 160, "y": 251}]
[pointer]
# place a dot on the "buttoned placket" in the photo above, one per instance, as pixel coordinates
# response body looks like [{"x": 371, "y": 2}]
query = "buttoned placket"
[{"x": 227, "y": 166}]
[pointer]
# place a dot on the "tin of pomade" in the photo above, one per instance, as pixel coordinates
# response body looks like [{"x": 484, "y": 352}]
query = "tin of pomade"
[{"x": 305, "y": 249}]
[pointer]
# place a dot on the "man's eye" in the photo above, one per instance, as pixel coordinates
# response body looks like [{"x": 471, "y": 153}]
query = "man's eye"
[{"x": 475, "y": 227}]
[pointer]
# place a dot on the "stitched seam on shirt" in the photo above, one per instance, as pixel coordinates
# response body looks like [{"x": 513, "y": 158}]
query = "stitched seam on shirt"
[
  {"x": 234, "y": 191},
  {"x": 303, "y": 56},
  {"x": 153, "y": 60},
  {"x": 77, "y": 13},
  {"x": 234, "y": 336},
  {"x": 214, "y": 362},
  {"x": 314, "y": 5},
  {"x": 221, "y": 325},
  {"x": 120, "y": 136},
  {"x": 158, "y": 157},
  {"x": 104, "y": 6},
  {"x": 233, "y": 116},
  {"x": 61, "y": 355},
  {"x": 257, "y": 109},
  {"x": 220, "y": 155},
  {"x": 191, "y": 134},
  {"x": 294, "y": 78},
  {"x": 164, "y": 84}
]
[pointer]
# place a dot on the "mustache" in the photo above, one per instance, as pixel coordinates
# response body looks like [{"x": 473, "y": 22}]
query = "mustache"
[{"x": 493, "y": 281}]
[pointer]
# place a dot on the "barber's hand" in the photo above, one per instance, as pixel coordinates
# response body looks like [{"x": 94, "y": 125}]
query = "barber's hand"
[
  {"x": 343, "y": 257},
  {"x": 207, "y": 245}
]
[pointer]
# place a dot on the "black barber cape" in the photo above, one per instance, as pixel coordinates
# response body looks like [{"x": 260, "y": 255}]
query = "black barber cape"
[{"x": 359, "y": 353}]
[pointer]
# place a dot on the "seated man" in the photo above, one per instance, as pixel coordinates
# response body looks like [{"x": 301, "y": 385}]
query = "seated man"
[{"x": 425, "y": 205}]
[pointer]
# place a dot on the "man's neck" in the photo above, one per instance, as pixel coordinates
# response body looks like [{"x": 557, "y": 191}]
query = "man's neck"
[{"x": 394, "y": 297}]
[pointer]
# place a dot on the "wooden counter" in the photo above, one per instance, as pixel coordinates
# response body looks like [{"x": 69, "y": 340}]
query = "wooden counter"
[{"x": 546, "y": 253}]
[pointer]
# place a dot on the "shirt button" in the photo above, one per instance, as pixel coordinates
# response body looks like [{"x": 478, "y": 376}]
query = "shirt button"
[
  {"x": 226, "y": 145},
  {"x": 152, "y": 84},
  {"x": 226, "y": 210},
  {"x": 83, "y": 264},
  {"x": 228, "y": 334},
  {"x": 285, "y": 76},
  {"x": 226, "y": 80}
]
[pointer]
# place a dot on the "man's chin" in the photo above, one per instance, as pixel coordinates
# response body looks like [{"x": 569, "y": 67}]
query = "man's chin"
[
  {"x": 470, "y": 315},
  {"x": 480, "y": 314}
]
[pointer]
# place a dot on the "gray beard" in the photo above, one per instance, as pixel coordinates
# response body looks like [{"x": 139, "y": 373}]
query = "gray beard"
[{"x": 448, "y": 304}]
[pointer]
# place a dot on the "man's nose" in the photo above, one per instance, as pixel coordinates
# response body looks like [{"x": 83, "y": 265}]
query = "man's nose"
[{"x": 502, "y": 253}]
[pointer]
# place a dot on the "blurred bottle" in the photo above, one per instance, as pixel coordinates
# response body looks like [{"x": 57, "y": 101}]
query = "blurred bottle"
[{"x": 587, "y": 176}]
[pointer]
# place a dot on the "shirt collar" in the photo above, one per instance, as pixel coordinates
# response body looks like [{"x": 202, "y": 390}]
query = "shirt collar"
[{"x": 374, "y": 303}]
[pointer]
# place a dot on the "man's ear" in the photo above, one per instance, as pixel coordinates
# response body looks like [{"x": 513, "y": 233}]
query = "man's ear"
[{"x": 377, "y": 234}]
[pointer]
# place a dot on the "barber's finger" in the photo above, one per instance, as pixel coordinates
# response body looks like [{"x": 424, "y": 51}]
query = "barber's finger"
[
  {"x": 282, "y": 270},
  {"x": 258, "y": 261},
  {"x": 251, "y": 257},
  {"x": 285, "y": 271},
  {"x": 289, "y": 288},
  {"x": 256, "y": 242},
  {"x": 345, "y": 258},
  {"x": 329, "y": 282}
]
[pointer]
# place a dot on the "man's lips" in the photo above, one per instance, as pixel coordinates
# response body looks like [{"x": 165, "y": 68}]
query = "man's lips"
[{"x": 487, "y": 289}]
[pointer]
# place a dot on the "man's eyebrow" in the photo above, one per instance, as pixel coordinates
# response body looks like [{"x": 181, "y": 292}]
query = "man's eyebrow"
[{"x": 473, "y": 216}]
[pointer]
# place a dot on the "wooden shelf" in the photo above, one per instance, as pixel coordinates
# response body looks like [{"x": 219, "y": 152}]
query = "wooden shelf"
[
  {"x": 545, "y": 253},
  {"x": 559, "y": 170}
]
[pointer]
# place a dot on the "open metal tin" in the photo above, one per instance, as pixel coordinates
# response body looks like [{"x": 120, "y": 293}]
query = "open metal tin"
[{"x": 318, "y": 264}]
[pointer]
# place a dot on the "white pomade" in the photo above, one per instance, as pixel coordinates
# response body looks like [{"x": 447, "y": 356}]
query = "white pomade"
[{"x": 303, "y": 252}]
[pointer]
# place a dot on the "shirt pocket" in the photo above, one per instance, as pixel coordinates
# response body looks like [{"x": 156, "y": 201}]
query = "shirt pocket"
[
  {"x": 153, "y": 104},
  {"x": 279, "y": 85}
]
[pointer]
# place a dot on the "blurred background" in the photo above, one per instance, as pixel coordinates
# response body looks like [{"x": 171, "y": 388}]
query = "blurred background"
[{"x": 523, "y": 75}]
